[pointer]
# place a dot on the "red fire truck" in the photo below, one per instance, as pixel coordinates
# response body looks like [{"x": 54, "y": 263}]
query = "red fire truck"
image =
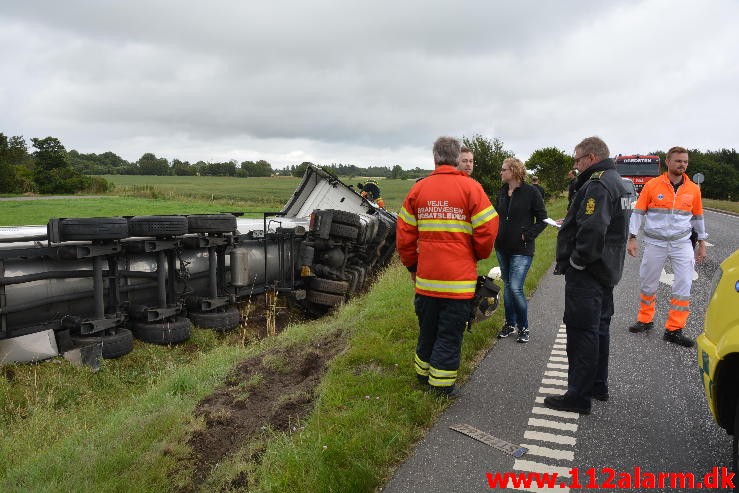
[{"x": 637, "y": 168}]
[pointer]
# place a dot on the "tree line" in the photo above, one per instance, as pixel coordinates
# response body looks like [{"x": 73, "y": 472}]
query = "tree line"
[
  {"x": 550, "y": 165},
  {"x": 49, "y": 168}
]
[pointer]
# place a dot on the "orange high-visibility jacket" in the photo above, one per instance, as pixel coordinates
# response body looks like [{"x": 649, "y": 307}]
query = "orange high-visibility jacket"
[
  {"x": 668, "y": 216},
  {"x": 445, "y": 226}
]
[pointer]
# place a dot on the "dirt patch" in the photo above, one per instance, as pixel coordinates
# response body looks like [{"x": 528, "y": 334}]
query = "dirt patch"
[{"x": 274, "y": 390}]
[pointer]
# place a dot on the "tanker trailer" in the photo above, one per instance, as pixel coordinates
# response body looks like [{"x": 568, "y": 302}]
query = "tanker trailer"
[{"x": 101, "y": 281}]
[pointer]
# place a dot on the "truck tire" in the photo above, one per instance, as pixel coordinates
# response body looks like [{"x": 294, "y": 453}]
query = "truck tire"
[
  {"x": 344, "y": 217},
  {"x": 220, "y": 321},
  {"x": 328, "y": 285},
  {"x": 211, "y": 223},
  {"x": 321, "y": 298},
  {"x": 346, "y": 231},
  {"x": 157, "y": 226},
  {"x": 115, "y": 342},
  {"x": 163, "y": 332},
  {"x": 93, "y": 228}
]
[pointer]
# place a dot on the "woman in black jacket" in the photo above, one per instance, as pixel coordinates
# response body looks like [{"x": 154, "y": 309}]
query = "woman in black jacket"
[{"x": 521, "y": 213}]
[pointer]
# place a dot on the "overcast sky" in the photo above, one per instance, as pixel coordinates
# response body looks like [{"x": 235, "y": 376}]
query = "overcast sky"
[{"x": 367, "y": 82}]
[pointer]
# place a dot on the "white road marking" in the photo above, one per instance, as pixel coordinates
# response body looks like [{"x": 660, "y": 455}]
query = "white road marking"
[
  {"x": 527, "y": 465},
  {"x": 553, "y": 412},
  {"x": 551, "y": 453},
  {"x": 557, "y": 365},
  {"x": 552, "y": 373},
  {"x": 548, "y": 423},
  {"x": 554, "y": 381},
  {"x": 550, "y": 390},
  {"x": 558, "y": 359},
  {"x": 549, "y": 437}
]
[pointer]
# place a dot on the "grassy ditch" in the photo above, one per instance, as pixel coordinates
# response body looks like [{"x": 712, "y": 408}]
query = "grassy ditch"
[{"x": 130, "y": 427}]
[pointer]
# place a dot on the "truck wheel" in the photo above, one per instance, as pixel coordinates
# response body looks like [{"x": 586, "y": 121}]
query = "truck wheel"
[
  {"x": 157, "y": 226},
  {"x": 321, "y": 298},
  {"x": 345, "y": 217},
  {"x": 93, "y": 228},
  {"x": 344, "y": 231},
  {"x": 211, "y": 223},
  {"x": 216, "y": 320},
  {"x": 115, "y": 342},
  {"x": 328, "y": 285},
  {"x": 163, "y": 332}
]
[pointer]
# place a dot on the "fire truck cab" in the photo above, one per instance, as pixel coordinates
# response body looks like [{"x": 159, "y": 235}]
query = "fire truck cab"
[{"x": 637, "y": 168}]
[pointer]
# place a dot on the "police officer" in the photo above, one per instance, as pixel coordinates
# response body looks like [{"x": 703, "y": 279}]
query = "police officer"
[
  {"x": 445, "y": 226},
  {"x": 590, "y": 253}
]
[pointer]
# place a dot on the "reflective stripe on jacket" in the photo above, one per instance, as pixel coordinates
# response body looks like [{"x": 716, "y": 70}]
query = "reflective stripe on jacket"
[
  {"x": 668, "y": 216},
  {"x": 445, "y": 226}
]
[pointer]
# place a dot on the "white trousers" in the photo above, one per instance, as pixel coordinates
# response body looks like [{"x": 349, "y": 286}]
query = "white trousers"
[{"x": 682, "y": 259}]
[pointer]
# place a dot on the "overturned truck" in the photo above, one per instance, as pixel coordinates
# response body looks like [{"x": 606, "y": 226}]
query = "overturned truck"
[{"x": 97, "y": 283}]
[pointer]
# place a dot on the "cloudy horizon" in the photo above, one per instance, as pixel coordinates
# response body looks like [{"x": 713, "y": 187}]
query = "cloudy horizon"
[{"x": 367, "y": 83}]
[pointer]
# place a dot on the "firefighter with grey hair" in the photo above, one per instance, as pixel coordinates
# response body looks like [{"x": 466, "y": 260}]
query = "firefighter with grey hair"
[{"x": 446, "y": 224}]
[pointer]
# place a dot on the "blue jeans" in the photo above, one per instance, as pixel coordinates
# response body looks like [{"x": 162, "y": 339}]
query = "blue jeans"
[{"x": 513, "y": 269}]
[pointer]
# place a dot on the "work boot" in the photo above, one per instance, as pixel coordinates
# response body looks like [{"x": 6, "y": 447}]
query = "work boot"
[
  {"x": 678, "y": 337},
  {"x": 601, "y": 397},
  {"x": 565, "y": 403},
  {"x": 506, "y": 331},
  {"x": 641, "y": 327},
  {"x": 523, "y": 335},
  {"x": 422, "y": 379},
  {"x": 451, "y": 392}
]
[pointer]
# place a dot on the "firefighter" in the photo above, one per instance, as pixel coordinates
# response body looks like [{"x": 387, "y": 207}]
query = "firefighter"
[
  {"x": 445, "y": 226},
  {"x": 371, "y": 191},
  {"x": 670, "y": 207}
]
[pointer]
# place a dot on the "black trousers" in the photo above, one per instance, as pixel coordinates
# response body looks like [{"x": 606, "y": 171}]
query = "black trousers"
[
  {"x": 588, "y": 312},
  {"x": 442, "y": 323}
]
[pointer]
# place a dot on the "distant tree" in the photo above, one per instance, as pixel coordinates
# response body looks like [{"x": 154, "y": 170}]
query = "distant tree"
[
  {"x": 299, "y": 170},
  {"x": 8, "y": 180},
  {"x": 551, "y": 166},
  {"x": 397, "y": 173},
  {"x": 489, "y": 156},
  {"x": 183, "y": 168},
  {"x": 219, "y": 169},
  {"x": 52, "y": 172},
  {"x": 149, "y": 164},
  {"x": 260, "y": 168}
]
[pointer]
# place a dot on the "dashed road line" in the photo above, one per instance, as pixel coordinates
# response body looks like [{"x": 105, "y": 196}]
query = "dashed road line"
[
  {"x": 561, "y": 425},
  {"x": 548, "y": 423}
]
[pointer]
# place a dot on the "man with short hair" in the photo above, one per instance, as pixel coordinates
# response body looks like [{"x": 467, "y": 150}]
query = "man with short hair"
[
  {"x": 466, "y": 160},
  {"x": 591, "y": 247},
  {"x": 539, "y": 188},
  {"x": 446, "y": 224},
  {"x": 670, "y": 207}
]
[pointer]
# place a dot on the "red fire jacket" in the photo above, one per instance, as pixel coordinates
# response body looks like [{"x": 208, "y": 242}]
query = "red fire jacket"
[{"x": 445, "y": 226}]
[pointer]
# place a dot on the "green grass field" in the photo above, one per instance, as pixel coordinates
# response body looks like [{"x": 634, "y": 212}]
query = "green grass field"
[
  {"x": 151, "y": 195},
  {"x": 255, "y": 194}
]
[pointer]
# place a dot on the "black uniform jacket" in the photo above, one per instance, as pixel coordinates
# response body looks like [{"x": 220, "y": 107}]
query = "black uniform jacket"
[
  {"x": 593, "y": 234},
  {"x": 521, "y": 214}
]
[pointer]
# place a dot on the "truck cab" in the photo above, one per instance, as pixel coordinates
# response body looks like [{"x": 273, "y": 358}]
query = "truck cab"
[{"x": 638, "y": 168}]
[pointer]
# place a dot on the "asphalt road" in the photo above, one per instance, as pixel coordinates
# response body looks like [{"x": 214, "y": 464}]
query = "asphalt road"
[{"x": 656, "y": 418}]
